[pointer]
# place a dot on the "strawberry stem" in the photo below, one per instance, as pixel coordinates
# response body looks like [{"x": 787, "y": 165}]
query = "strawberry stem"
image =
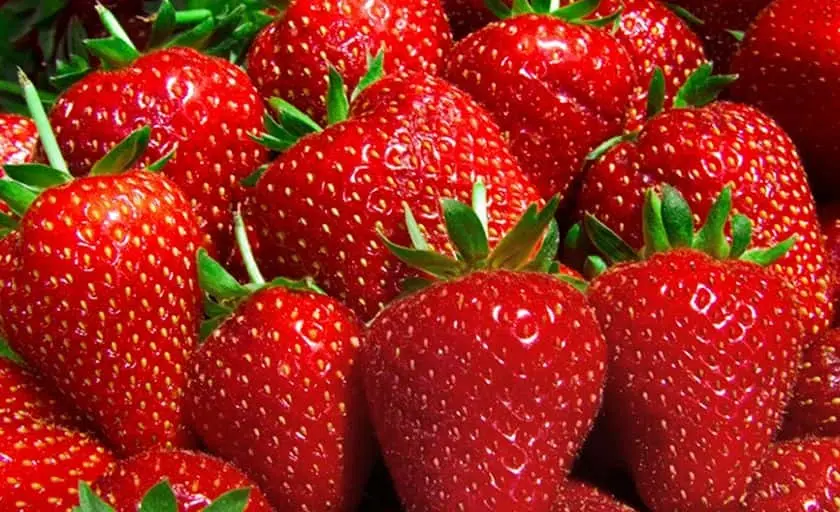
[
  {"x": 246, "y": 251},
  {"x": 42, "y": 122}
]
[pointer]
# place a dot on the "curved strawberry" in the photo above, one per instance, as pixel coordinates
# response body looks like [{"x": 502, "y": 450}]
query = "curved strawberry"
[
  {"x": 18, "y": 139},
  {"x": 289, "y": 59},
  {"x": 483, "y": 384},
  {"x": 704, "y": 344},
  {"x": 787, "y": 66}
]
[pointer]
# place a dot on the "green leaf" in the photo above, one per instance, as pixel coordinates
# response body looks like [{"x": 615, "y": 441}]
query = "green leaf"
[
  {"x": 18, "y": 197},
  {"x": 541, "y": 6},
  {"x": 685, "y": 14},
  {"x": 574, "y": 235},
  {"x": 414, "y": 284},
  {"x": 6, "y": 352},
  {"x": 656, "y": 93},
  {"x": 766, "y": 257},
  {"x": 7, "y": 222},
  {"x": 159, "y": 498},
  {"x": 607, "y": 241},
  {"x": 655, "y": 235},
  {"x": 741, "y": 235},
  {"x": 594, "y": 266},
  {"x": 608, "y": 144},
  {"x": 576, "y": 283},
  {"x": 213, "y": 309},
  {"x": 479, "y": 204},
  {"x": 711, "y": 238},
  {"x": 739, "y": 35},
  {"x": 113, "y": 51},
  {"x": 208, "y": 326},
  {"x": 430, "y": 262},
  {"x": 216, "y": 281},
  {"x": 516, "y": 247},
  {"x": 611, "y": 20},
  {"x": 702, "y": 87},
  {"x": 124, "y": 155},
  {"x": 521, "y": 7},
  {"x": 498, "y": 8},
  {"x": 577, "y": 10},
  {"x": 196, "y": 37},
  {"x": 418, "y": 241},
  {"x": 293, "y": 119},
  {"x": 677, "y": 217},
  {"x": 164, "y": 25},
  {"x": 548, "y": 250},
  {"x": 37, "y": 175},
  {"x": 375, "y": 72},
  {"x": 306, "y": 284},
  {"x": 232, "y": 501},
  {"x": 338, "y": 108},
  {"x": 89, "y": 501},
  {"x": 68, "y": 72},
  {"x": 163, "y": 161},
  {"x": 465, "y": 231},
  {"x": 252, "y": 179}
]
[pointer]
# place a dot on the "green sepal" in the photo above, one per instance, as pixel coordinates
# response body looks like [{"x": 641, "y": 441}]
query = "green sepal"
[
  {"x": 164, "y": 24},
  {"x": 251, "y": 180},
  {"x": 612, "y": 20},
  {"x": 741, "y": 227},
  {"x": 548, "y": 250},
  {"x": 514, "y": 249},
  {"x": 293, "y": 119},
  {"x": 606, "y": 146},
  {"x": 112, "y": 51},
  {"x": 197, "y": 37},
  {"x": 418, "y": 240},
  {"x": 7, "y": 222},
  {"x": 685, "y": 14},
  {"x": 607, "y": 241},
  {"x": 89, "y": 501},
  {"x": 159, "y": 498},
  {"x": 577, "y": 10},
  {"x": 124, "y": 155},
  {"x": 656, "y": 93},
  {"x": 576, "y": 283},
  {"x": 466, "y": 231},
  {"x": 69, "y": 71},
  {"x": 338, "y": 107},
  {"x": 739, "y": 35},
  {"x": 654, "y": 232},
  {"x": 521, "y": 7},
  {"x": 677, "y": 218},
  {"x": 6, "y": 352},
  {"x": 375, "y": 72},
  {"x": 411, "y": 285},
  {"x": 711, "y": 238},
  {"x": 702, "y": 87},
  {"x": 498, "y": 8},
  {"x": 217, "y": 281},
  {"x": 307, "y": 284},
  {"x": 162, "y": 162},
  {"x": 766, "y": 257},
  {"x": 231, "y": 501},
  {"x": 573, "y": 238},
  {"x": 479, "y": 204},
  {"x": 37, "y": 176},
  {"x": 434, "y": 264},
  {"x": 213, "y": 309},
  {"x": 18, "y": 197},
  {"x": 594, "y": 266},
  {"x": 208, "y": 326}
]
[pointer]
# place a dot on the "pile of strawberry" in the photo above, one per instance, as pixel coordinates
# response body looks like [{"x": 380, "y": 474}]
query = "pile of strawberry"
[{"x": 420, "y": 255}]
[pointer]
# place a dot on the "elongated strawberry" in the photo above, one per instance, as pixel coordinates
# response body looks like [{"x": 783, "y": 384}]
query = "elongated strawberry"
[
  {"x": 699, "y": 147},
  {"x": 798, "y": 475},
  {"x": 102, "y": 295},
  {"x": 704, "y": 344},
  {"x": 276, "y": 389},
  {"x": 290, "y": 58},
  {"x": 581, "y": 497},
  {"x": 815, "y": 407},
  {"x": 18, "y": 139},
  {"x": 203, "y": 108},
  {"x": 483, "y": 384},
  {"x": 174, "y": 481},
  {"x": 411, "y": 139},
  {"x": 787, "y": 64},
  {"x": 41, "y": 464}
]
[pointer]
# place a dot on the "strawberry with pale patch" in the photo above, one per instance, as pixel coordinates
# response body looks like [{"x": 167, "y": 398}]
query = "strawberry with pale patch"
[
  {"x": 102, "y": 296},
  {"x": 701, "y": 145},
  {"x": 815, "y": 407},
  {"x": 18, "y": 139},
  {"x": 290, "y": 58},
  {"x": 483, "y": 382},
  {"x": 410, "y": 139},
  {"x": 704, "y": 343},
  {"x": 276, "y": 388}
]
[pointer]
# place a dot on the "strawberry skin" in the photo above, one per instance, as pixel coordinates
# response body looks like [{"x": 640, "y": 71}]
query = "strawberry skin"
[
  {"x": 416, "y": 139},
  {"x": 196, "y": 479},
  {"x": 830, "y": 220},
  {"x": 103, "y": 300},
  {"x": 41, "y": 464},
  {"x": 698, "y": 151},
  {"x": 582, "y": 497},
  {"x": 815, "y": 406},
  {"x": 798, "y": 475},
  {"x": 562, "y": 91},
  {"x": 276, "y": 390},
  {"x": 289, "y": 58},
  {"x": 788, "y": 66},
  {"x": 482, "y": 390},
  {"x": 203, "y": 104},
  {"x": 18, "y": 139},
  {"x": 703, "y": 356},
  {"x": 23, "y": 392}
]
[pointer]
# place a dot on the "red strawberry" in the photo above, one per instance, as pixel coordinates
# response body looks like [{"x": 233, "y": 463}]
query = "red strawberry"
[
  {"x": 830, "y": 220},
  {"x": 289, "y": 59},
  {"x": 194, "y": 479},
  {"x": 411, "y": 139},
  {"x": 719, "y": 17},
  {"x": 581, "y": 497},
  {"x": 557, "y": 89},
  {"x": 276, "y": 389},
  {"x": 787, "y": 65},
  {"x": 102, "y": 295},
  {"x": 798, "y": 475},
  {"x": 23, "y": 392},
  {"x": 41, "y": 464},
  {"x": 483, "y": 385},
  {"x": 699, "y": 150},
  {"x": 704, "y": 344},
  {"x": 203, "y": 107},
  {"x": 815, "y": 406},
  {"x": 18, "y": 139}
]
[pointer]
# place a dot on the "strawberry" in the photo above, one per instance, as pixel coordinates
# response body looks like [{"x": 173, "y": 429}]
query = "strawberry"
[
  {"x": 410, "y": 139},
  {"x": 483, "y": 385},
  {"x": 102, "y": 297},
  {"x": 787, "y": 65},
  {"x": 581, "y": 497},
  {"x": 815, "y": 406},
  {"x": 186, "y": 481},
  {"x": 830, "y": 221},
  {"x": 562, "y": 87},
  {"x": 699, "y": 150},
  {"x": 798, "y": 475},
  {"x": 276, "y": 390},
  {"x": 704, "y": 344},
  {"x": 203, "y": 108},
  {"x": 18, "y": 139},
  {"x": 41, "y": 464},
  {"x": 289, "y": 58}
]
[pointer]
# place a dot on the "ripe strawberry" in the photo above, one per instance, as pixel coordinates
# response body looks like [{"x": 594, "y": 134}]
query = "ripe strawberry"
[
  {"x": 798, "y": 475},
  {"x": 203, "y": 108},
  {"x": 830, "y": 221},
  {"x": 561, "y": 88},
  {"x": 482, "y": 386},
  {"x": 289, "y": 58},
  {"x": 701, "y": 149},
  {"x": 41, "y": 464},
  {"x": 190, "y": 480},
  {"x": 704, "y": 346},
  {"x": 815, "y": 406},
  {"x": 276, "y": 389},
  {"x": 23, "y": 392},
  {"x": 410, "y": 139},
  {"x": 787, "y": 64},
  {"x": 18, "y": 139},
  {"x": 102, "y": 296},
  {"x": 581, "y": 497}
]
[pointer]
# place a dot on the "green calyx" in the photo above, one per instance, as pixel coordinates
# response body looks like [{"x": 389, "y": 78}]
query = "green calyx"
[
  {"x": 161, "y": 498},
  {"x": 578, "y": 12},
  {"x": 685, "y": 14},
  {"x": 668, "y": 224},
  {"x": 292, "y": 123},
  {"x": 467, "y": 227},
  {"x": 223, "y": 293},
  {"x": 6, "y": 352}
]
